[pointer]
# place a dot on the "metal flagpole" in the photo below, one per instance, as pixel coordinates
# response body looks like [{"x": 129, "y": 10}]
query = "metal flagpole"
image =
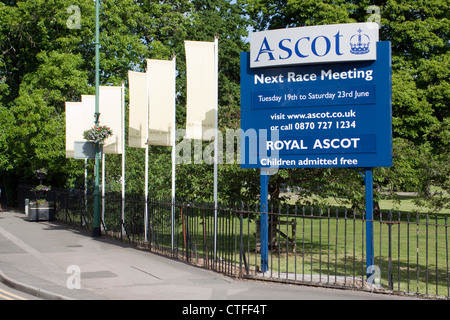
[
  {"x": 96, "y": 231},
  {"x": 173, "y": 163},
  {"x": 85, "y": 184},
  {"x": 103, "y": 186},
  {"x": 146, "y": 167},
  {"x": 216, "y": 138},
  {"x": 123, "y": 156}
]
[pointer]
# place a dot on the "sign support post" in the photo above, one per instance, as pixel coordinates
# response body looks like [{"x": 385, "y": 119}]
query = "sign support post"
[
  {"x": 264, "y": 185},
  {"x": 368, "y": 180}
]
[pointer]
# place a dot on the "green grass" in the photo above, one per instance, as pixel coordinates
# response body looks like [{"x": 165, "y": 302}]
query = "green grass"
[
  {"x": 404, "y": 204},
  {"x": 337, "y": 248},
  {"x": 407, "y": 205}
]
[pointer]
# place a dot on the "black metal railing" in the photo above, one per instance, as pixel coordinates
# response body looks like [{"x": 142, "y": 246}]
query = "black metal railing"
[{"x": 306, "y": 245}]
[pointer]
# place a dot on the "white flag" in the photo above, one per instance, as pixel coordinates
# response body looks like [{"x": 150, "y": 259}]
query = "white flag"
[
  {"x": 110, "y": 109},
  {"x": 201, "y": 73},
  {"x": 138, "y": 115},
  {"x": 75, "y": 119},
  {"x": 161, "y": 98}
]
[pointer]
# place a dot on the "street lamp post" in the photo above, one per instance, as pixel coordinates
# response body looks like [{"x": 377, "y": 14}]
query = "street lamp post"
[{"x": 96, "y": 231}]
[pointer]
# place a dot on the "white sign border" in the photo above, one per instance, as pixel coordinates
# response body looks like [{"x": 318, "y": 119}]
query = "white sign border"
[{"x": 332, "y": 43}]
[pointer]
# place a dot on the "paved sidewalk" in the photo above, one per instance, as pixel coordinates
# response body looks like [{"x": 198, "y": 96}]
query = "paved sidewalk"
[{"x": 43, "y": 258}]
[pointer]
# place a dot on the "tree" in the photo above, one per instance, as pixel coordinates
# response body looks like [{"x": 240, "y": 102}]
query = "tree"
[
  {"x": 6, "y": 127},
  {"x": 47, "y": 59},
  {"x": 205, "y": 19}
]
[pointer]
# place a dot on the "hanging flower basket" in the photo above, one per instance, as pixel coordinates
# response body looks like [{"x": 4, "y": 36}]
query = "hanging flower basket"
[
  {"x": 41, "y": 173},
  {"x": 97, "y": 134},
  {"x": 41, "y": 188}
]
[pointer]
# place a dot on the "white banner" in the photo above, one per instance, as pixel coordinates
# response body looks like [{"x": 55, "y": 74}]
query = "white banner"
[
  {"x": 110, "y": 109},
  {"x": 78, "y": 119},
  {"x": 201, "y": 73},
  {"x": 138, "y": 115},
  {"x": 161, "y": 99}
]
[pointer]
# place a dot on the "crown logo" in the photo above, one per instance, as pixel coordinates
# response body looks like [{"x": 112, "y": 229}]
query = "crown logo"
[{"x": 359, "y": 43}]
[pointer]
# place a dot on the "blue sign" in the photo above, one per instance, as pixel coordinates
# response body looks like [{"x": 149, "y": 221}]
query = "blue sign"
[{"x": 327, "y": 115}]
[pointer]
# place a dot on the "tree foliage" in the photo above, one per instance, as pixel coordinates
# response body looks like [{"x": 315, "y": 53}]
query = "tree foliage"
[{"x": 47, "y": 58}]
